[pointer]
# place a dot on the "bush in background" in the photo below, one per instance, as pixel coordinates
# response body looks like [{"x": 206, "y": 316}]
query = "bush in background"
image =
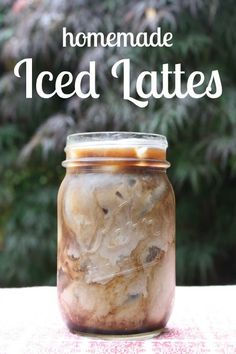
[{"x": 201, "y": 133}]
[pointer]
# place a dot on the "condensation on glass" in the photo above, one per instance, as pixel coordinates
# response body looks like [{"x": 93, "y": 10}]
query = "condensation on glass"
[{"x": 116, "y": 234}]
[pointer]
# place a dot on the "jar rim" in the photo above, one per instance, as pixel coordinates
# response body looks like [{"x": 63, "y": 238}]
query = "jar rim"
[
  {"x": 124, "y": 138},
  {"x": 116, "y": 148}
]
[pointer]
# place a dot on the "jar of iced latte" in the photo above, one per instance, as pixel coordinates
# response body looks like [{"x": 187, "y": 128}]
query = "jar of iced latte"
[{"x": 116, "y": 234}]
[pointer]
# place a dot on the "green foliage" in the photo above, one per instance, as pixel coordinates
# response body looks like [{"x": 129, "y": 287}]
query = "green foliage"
[{"x": 201, "y": 133}]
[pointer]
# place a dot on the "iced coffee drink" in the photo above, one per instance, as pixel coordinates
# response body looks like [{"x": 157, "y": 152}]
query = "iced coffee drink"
[{"x": 116, "y": 234}]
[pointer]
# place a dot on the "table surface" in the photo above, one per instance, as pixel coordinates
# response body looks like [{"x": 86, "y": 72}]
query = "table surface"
[{"x": 203, "y": 321}]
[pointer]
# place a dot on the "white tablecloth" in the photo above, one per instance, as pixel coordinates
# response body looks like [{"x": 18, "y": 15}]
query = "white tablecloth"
[{"x": 203, "y": 321}]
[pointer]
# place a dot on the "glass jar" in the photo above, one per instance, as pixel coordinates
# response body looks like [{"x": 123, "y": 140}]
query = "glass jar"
[{"x": 116, "y": 234}]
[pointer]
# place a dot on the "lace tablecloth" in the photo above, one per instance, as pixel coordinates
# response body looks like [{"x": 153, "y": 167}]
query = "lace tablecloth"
[{"x": 203, "y": 321}]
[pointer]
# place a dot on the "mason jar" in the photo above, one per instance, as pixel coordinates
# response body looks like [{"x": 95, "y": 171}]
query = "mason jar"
[{"x": 116, "y": 234}]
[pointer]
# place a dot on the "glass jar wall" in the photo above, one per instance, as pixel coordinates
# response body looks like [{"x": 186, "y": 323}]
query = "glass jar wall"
[{"x": 116, "y": 234}]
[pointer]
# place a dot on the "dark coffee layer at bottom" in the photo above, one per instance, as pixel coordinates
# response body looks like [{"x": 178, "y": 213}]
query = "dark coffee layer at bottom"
[{"x": 86, "y": 330}]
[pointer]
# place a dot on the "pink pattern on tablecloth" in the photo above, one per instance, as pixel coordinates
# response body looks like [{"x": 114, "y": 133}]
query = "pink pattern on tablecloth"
[{"x": 203, "y": 321}]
